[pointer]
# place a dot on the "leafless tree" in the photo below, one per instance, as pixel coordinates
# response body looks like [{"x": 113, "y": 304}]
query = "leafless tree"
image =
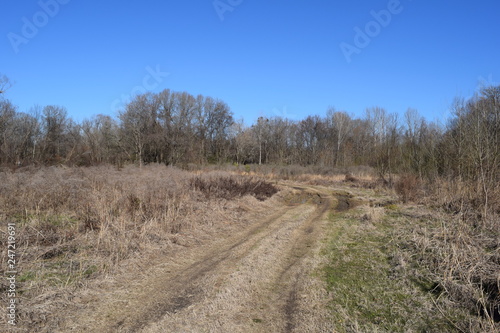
[
  {"x": 100, "y": 139},
  {"x": 341, "y": 125},
  {"x": 261, "y": 130},
  {"x": 5, "y": 84},
  {"x": 138, "y": 123},
  {"x": 55, "y": 130}
]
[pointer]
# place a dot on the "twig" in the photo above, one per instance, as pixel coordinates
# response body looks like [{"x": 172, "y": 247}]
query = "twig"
[{"x": 446, "y": 317}]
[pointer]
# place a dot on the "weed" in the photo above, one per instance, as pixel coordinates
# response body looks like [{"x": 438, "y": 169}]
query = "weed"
[
  {"x": 27, "y": 276},
  {"x": 90, "y": 270},
  {"x": 391, "y": 207},
  {"x": 366, "y": 277}
]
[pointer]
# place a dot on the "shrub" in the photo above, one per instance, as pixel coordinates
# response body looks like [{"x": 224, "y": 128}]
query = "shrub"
[
  {"x": 230, "y": 187},
  {"x": 408, "y": 187}
]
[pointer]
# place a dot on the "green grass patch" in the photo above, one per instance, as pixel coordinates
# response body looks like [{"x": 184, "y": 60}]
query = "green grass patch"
[
  {"x": 63, "y": 272},
  {"x": 392, "y": 207},
  {"x": 60, "y": 220},
  {"x": 368, "y": 292},
  {"x": 27, "y": 276},
  {"x": 90, "y": 270}
]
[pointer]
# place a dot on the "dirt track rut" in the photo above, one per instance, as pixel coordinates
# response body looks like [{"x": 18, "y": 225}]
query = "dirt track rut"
[{"x": 259, "y": 280}]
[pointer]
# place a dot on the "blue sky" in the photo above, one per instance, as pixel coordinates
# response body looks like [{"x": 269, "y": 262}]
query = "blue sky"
[{"x": 271, "y": 58}]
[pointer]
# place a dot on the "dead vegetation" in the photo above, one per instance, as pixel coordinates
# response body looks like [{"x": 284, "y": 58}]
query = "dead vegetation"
[
  {"x": 408, "y": 187},
  {"x": 408, "y": 267},
  {"x": 229, "y": 187},
  {"x": 458, "y": 245},
  {"x": 454, "y": 265},
  {"x": 463, "y": 251},
  {"x": 362, "y": 176},
  {"x": 76, "y": 224}
]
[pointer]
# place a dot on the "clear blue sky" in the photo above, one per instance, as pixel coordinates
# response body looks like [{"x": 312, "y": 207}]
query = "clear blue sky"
[{"x": 264, "y": 58}]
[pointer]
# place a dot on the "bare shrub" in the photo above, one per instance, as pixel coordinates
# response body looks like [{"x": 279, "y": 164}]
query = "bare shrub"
[
  {"x": 462, "y": 251},
  {"x": 230, "y": 187},
  {"x": 350, "y": 178},
  {"x": 408, "y": 187},
  {"x": 361, "y": 172}
]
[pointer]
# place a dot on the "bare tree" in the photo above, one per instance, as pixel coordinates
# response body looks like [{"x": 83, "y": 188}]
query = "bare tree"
[
  {"x": 138, "y": 123},
  {"x": 5, "y": 84},
  {"x": 100, "y": 139},
  {"x": 385, "y": 132},
  {"x": 246, "y": 144},
  {"x": 279, "y": 140},
  {"x": 261, "y": 130},
  {"x": 214, "y": 121},
  {"x": 55, "y": 125},
  {"x": 415, "y": 125},
  {"x": 341, "y": 125},
  {"x": 7, "y": 116}
]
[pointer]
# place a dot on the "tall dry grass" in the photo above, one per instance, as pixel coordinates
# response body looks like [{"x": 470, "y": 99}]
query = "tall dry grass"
[
  {"x": 74, "y": 224},
  {"x": 460, "y": 246},
  {"x": 313, "y": 175},
  {"x": 53, "y": 205}
]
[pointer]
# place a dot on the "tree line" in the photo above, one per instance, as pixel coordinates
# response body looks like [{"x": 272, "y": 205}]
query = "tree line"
[{"x": 177, "y": 128}]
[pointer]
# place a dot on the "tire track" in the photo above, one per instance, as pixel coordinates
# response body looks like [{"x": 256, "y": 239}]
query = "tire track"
[
  {"x": 301, "y": 246},
  {"x": 228, "y": 287},
  {"x": 181, "y": 289}
]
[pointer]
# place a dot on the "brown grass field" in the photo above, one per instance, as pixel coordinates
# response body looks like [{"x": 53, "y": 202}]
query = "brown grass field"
[{"x": 251, "y": 249}]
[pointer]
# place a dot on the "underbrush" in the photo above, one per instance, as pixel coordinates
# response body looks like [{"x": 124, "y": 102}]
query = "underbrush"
[
  {"x": 459, "y": 246},
  {"x": 462, "y": 269},
  {"x": 356, "y": 176},
  {"x": 368, "y": 280},
  {"x": 408, "y": 268},
  {"x": 313, "y": 174},
  {"x": 467, "y": 244},
  {"x": 75, "y": 224},
  {"x": 230, "y": 187}
]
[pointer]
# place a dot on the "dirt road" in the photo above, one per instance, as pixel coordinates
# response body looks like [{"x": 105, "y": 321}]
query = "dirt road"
[{"x": 260, "y": 279}]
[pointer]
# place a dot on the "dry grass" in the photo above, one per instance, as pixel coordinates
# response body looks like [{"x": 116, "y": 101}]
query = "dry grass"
[
  {"x": 440, "y": 256},
  {"x": 357, "y": 176},
  {"x": 76, "y": 224},
  {"x": 290, "y": 172},
  {"x": 458, "y": 243},
  {"x": 462, "y": 250},
  {"x": 228, "y": 187},
  {"x": 408, "y": 187},
  {"x": 454, "y": 263}
]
